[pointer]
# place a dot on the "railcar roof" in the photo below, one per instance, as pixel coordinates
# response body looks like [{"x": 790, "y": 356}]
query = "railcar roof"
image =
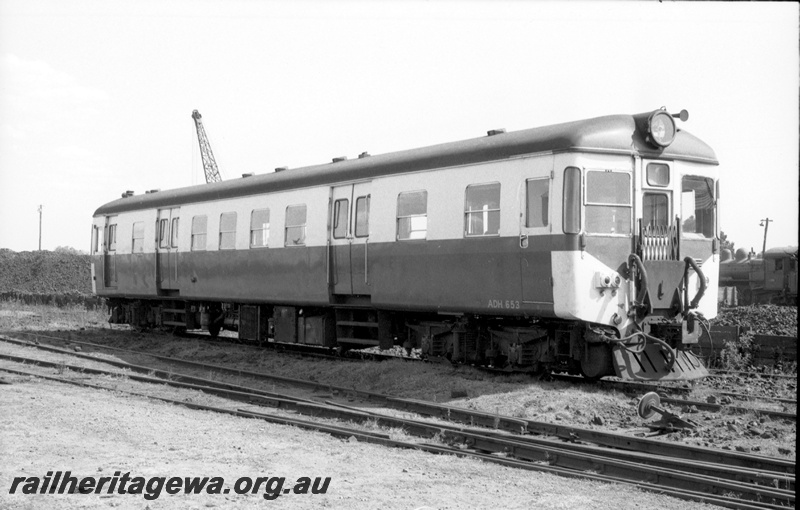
[{"x": 613, "y": 134}]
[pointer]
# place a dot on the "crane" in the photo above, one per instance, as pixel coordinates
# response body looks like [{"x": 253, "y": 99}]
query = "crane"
[{"x": 209, "y": 163}]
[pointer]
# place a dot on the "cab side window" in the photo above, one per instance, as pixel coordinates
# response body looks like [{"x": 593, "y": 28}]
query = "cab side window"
[{"x": 537, "y": 199}]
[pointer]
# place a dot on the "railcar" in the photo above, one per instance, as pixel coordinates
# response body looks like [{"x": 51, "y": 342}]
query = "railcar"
[{"x": 589, "y": 246}]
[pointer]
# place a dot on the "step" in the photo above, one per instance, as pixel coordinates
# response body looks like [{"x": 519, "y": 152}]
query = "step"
[
  {"x": 173, "y": 323},
  {"x": 359, "y": 341},
  {"x": 173, "y": 310},
  {"x": 357, "y": 323}
]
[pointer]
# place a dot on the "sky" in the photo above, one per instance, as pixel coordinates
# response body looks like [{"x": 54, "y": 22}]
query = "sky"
[{"x": 96, "y": 97}]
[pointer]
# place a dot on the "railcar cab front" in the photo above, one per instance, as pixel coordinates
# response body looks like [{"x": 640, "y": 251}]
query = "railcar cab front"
[
  {"x": 644, "y": 226},
  {"x": 673, "y": 263}
]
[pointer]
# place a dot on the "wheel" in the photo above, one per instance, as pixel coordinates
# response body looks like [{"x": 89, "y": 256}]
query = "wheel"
[
  {"x": 214, "y": 329},
  {"x": 646, "y": 404}
]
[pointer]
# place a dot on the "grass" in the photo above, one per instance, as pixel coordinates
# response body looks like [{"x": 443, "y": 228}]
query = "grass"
[{"x": 18, "y": 315}]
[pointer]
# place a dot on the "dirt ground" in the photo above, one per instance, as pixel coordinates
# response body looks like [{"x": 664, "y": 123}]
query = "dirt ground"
[{"x": 49, "y": 427}]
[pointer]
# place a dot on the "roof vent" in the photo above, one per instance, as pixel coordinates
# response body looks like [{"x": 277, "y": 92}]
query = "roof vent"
[
  {"x": 281, "y": 168},
  {"x": 247, "y": 175},
  {"x": 127, "y": 194},
  {"x": 152, "y": 191},
  {"x": 493, "y": 132},
  {"x": 364, "y": 154},
  {"x": 340, "y": 159}
]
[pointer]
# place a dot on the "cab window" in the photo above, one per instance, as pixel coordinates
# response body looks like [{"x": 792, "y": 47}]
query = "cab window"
[
  {"x": 698, "y": 206},
  {"x": 608, "y": 202},
  {"x": 655, "y": 210},
  {"x": 571, "y": 200},
  {"x": 537, "y": 198}
]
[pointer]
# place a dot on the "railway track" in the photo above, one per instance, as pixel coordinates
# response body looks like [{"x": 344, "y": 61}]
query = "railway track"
[
  {"x": 734, "y": 373},
  {"x": 688, "y": 472},
  {"x": 666, "y": 390}
]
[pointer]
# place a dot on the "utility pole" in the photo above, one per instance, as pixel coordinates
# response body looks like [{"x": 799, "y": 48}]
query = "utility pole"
[
  {"x": 40, "y": 227},
  {"x": 765, "y": 224}
]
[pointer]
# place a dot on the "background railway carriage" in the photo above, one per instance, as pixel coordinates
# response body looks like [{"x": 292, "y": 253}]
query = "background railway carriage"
[{"x": 589, "y": 246}]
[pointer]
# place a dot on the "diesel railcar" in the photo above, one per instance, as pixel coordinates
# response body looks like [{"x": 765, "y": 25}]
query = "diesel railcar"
[{"x": 589, "y": 246}]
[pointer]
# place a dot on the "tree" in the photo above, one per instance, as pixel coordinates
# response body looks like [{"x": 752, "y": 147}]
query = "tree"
[{"x": 724, "y": 243}]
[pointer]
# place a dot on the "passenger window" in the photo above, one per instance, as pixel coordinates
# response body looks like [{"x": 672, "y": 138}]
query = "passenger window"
[
  {"x": 259, "y": 228},
  {"x": 163, "y": 233},
  {"x": 571, "y": 219},
  {"x": 199, "y": 224},
  {"x": 137, "y": 243},
  {"x": 482, "y": 210},
  {"x": 655, "y": 210},
  {"x": 362, "y": 216},
  {"x": 537, "y": 199},
  {"x": 227, "y": 231},
  {"x": 341, "y": 208},
  {"x": 412, "y": 215},
  {"x": 295, "y": 225},
  {"x": 608, "y": 202},
  {"x": 174, "y": 231},
  {"x": 698, "y": 206}
]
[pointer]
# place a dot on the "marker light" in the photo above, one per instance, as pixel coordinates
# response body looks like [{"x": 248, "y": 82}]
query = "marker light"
[{"x": 661, "y": 128}]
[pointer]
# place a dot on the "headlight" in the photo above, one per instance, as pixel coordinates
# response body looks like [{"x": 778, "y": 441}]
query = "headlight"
[{"x": 661, "y": 128}]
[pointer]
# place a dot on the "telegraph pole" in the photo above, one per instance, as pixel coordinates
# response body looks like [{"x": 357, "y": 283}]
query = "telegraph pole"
[
  {"x": 765, "y": 224},
  {"x": 40, "y": 227}
]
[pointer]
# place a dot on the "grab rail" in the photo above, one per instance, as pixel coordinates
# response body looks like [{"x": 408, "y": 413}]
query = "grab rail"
[{"x": 693, "y": 304}]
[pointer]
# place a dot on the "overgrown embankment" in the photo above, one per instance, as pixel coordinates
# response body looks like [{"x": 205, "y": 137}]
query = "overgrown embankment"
[{"x": 61, "y": 277}]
